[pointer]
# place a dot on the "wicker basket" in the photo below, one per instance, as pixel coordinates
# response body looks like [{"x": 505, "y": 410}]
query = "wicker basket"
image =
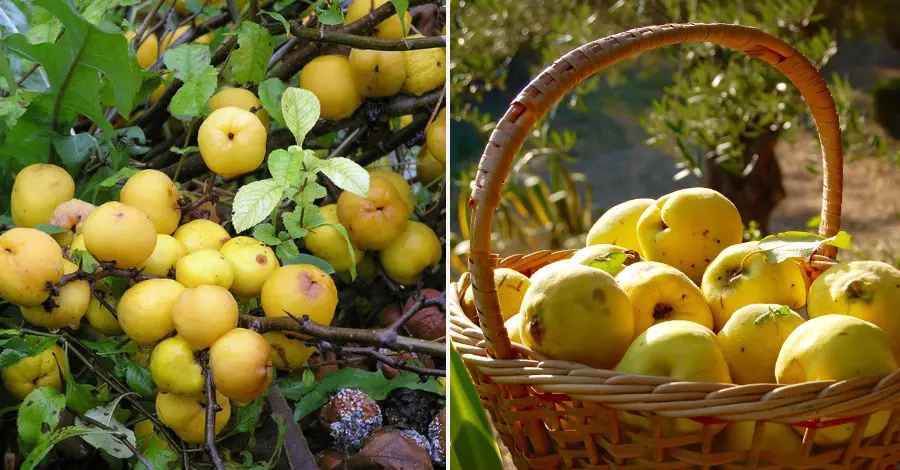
[{"x": 556, "y": 414}]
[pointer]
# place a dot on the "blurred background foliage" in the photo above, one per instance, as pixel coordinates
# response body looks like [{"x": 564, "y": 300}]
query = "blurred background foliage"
[{"x": 715, "y": 114}]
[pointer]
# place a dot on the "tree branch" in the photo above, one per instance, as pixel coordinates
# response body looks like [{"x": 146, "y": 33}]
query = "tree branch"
[
  {"x": 135, "y": 275},
  {"x": 396, "y": 364},
  {"x": 364, "y": 42},
  {"x": 373, "y": 337},
  {"x": 212, "y": 407}
]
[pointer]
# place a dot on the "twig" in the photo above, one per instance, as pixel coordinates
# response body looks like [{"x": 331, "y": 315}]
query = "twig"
[
  {"x": 396, "y": 364},
  {"x": 420, "y": 303},
  {"x": 30, "y": 71},
  {"x": 212, "y": 407},
  {"x": 102, "y": 299},
  {"x": 393, "y": 286},
  {"x": 118, "y": 435},
  {"x": 411, "y": 135},
  {"x": 139, "y": 35},
  {"x": 365, "y": 42},
  {"x": 371, "y": 337},
  {"x": 135, "y": 275}
]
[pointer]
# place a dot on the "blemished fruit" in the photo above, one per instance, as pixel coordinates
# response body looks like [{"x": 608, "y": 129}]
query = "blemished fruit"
[
  {"x": 204, "y": 267},
  {"x": 200, "y": 234},
  {"x": 29, "y": 259},
  {"x": 167, "y": 252},
  {"x": 120, "y": 233},
  {"x": 837, "y": 347},
  {"x": 679, "y": 349},
  {"x": 751, "y": 343},
  {"x": 595, "y": 253},
  {"x": 400, "y": 184},
  {"x": 174, "y": 368},
  {"x": 576, "y": 313},
  {"x": 100, "y": 318},
  {"x": 375, "y": 221},
  {"x": 618, "y": 225},
  {"x": 377, "y": 73},
  {"x": 391, "y": 28},
  {"x": 425, "y": 69},
  {"x": 71, "y": 216},
  {"x": 416, "y": 249},
  {"x": 740, "y": 276},
  {"x": 148, "y": 52},
  {"x": 186, "y": 414},
  {"x": 688, "y": 228},
  {"x": 511, "y": 286},
  {"x": 72, "y": 302},
  {"x": 777, "y": 438},
  {"x": 659, "y": 293},
  {"x": 330, "y": 78},
  {"x": 154, "y": 193},
  {"x": 436, "y": 137},
  {"x": 204, "y": 314},
  {"x": 239, "y": 98},
  {"x": 513, "y": 328},
  {"x": 232, "y": 141},
  {"x": 240, "y": 364},
  {"x": 252, "y": 262},
  {"x": 300, "y": 289},
  {"x": 41, "y": 370},
  {"x": 287, "y": 353},
  {"x": 145, "y": 310},
  {"x": 38, "y": 189},
  {"x": 327, "y": 243},
  {"x": 863, "y": 289},
  {"x": 428, "y": 168}
]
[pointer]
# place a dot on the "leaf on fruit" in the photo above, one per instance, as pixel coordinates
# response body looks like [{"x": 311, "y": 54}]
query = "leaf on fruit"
[
  {"x": 304, "y": 258},
  {"x": 254, "y": 202},
  {"x": 787, "y": 245},
  {"x": 23, "y": 347},
  {"x": 266, "y": 234},
  {"x": 287, "y": 250},
  {"x": 73, "y": 65},
  {"x": 610, "y": 262},
  {"x": 109, "y": 441},
  {"x": 85, "y": 261},
  {"x": 346, "y": 174},
  {"x": 255, "y": 48},
  {"x": 36, "y": 456},
  {"x": 773, "y": 313},
  {"x": 312, "y": 217},
  {"x": 50, "y": 229},
  {"x": 402, "y": 6},
  {"x": 286, "y": 167},
  {"x": 157, "y": 456},
  {"x": 270, "y": 92},
  {"x": 301, "y": 110},
  {"x": 373, "y": 384},
  {"x": 39, "y": 413},
  {"x": 191, "y": 64},
  {"x": 293, "y": 224},
  {"x": 343, "y": 231}
]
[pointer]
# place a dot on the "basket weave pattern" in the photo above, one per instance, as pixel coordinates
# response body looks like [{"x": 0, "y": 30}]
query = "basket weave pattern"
[{"x": 562, "y": 415}]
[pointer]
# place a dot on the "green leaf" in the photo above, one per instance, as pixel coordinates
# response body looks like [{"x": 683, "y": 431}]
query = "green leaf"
[
  {"x": 293, "y": 224},
  {"x": 346, "y": 174},
  {"x": 266, "y": 234},
  {"x": 343, "y": 231},
  {"x": 23, "y": 347},
  {"x": 287, "y": 250},
  {"x": 471, "y": 439},
  {"x": 610, "y": 263},
  {"x": 301, "y": 110},
  {"x": 83, "y": 397},
  {"x": 119, "y": 175},
  {"x": 36, "y": 456},
  {"x": 85, "y": 261},
  {"x": 309, "y": 194},
  {"x": 402, "y": 6},
  {"x": 39, "y": 413},
  {"x": 6, "y": 72},
  {"x": 74, "y": 150},
  {"x": 50, "y": 229},
  {"x": 184, "y": 151},
  {"x": 286, "y": 167},
  {"x": 303, "y": 258},
  {"x": 254, "y": 202},
  {"x": 255, "y": 48},
  {"x": 73, "y": 66},
  {"x": 332, "y": 15},
  {"x": 157, "y": 456},
  {"x": 108, "y": 441},
  {"x": 247, "y": 417},
  {"x": 191, "y": 64},
  {"x": 137, "y": 377},
  {"x": 373, "y": 384},
  {"x": 270, "y": 92},
  {"x": 786, "y": 245},
  {"x": 279, "y": 18},
  {"x": 312, "y": 217}
]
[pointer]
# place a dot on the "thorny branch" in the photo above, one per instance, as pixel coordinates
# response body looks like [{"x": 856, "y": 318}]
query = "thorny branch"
[
  {"x": 135, "y": 275},
  {"x": 421, "y": 302},
  {"x": 212, "y": 407},
  {"x": 395, "y": 363}
]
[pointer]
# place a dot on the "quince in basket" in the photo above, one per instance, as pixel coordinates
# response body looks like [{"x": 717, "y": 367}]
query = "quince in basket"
[
  {"x": 837, "y": 347},
  {"x": 618, "y": 225},
  {"x": 592, "y": 253},
  {"x": 576, "y": 313},
  {"x": 511, "y": 286},
  {"x": 777, "y": 438},
  {"x": 659, "y": 292},
  {"x": 740, "y": 275},
  {"x": 752, "y": 338}
]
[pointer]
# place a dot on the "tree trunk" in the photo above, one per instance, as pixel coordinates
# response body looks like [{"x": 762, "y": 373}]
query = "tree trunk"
[{"x": 756, "y": 193}]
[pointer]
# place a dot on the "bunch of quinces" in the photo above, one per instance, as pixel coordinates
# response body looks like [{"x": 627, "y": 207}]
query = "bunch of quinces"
[{"x": 667, "y": 288}]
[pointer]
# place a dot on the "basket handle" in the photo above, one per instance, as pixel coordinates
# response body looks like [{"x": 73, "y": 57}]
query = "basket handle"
[{"x": 549, "y": 87}]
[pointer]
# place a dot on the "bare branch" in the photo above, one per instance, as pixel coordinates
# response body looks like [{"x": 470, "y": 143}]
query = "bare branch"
[{"x": 212, "y": 407}]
